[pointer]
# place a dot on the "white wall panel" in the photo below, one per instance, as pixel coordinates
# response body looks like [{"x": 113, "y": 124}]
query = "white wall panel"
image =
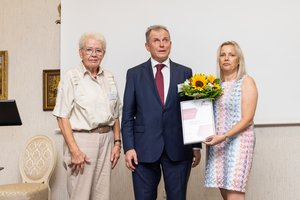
[{"x": 267, "y": 31}]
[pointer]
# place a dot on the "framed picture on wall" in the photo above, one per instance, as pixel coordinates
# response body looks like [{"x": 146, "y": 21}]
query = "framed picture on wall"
[
  {"x": 51, "y": 80},
  {"x": 3, "y": 74}
]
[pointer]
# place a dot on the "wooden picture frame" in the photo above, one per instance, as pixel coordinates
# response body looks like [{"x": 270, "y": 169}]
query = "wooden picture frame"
[
  {"x": 51, "y": 80},
  {"x": 3, "y": 74}
]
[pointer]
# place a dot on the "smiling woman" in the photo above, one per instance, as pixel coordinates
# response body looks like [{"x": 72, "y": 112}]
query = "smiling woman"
[{"x": 3, "y": 74}]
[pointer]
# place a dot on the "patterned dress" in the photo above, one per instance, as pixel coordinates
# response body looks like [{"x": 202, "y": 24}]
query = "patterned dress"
[{"x": 228, "y": 163}]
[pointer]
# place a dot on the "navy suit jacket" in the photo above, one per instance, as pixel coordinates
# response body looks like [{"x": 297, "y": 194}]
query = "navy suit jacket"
[{"x": 147, "y": 126}]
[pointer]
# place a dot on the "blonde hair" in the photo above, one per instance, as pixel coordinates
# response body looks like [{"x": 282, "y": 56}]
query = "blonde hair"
[
  {"x": 241, "y": 66},
  {"x": 98, "y": 36}
]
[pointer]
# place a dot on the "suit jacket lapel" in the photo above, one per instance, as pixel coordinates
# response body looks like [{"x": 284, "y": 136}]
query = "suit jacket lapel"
[
  {"x": 173, "y": 84},
  {"x": 150, "y": 79}
]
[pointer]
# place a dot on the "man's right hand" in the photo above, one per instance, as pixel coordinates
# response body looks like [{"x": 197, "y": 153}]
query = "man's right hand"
[{"x": 131, "y": 159}]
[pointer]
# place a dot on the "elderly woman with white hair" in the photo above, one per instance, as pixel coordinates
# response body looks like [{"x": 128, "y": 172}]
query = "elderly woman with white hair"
[{"x": 87, "y": 110}]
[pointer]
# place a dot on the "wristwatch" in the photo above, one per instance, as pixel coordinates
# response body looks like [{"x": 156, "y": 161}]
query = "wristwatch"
[{"x": 226, "y": 137}]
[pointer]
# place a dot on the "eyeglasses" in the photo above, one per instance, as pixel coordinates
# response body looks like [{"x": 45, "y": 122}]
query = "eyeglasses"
[{"x": 90, "y": 51}]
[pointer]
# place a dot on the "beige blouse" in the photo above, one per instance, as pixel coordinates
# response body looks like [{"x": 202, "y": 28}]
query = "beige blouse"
[{"x": 87, "y": 102}]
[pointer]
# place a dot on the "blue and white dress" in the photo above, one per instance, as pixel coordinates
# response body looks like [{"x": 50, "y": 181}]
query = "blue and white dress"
[{"x": 228, "y": 164}]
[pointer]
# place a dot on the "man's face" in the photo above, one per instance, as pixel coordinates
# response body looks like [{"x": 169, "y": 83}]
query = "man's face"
[{"x": 159, "y": 45}]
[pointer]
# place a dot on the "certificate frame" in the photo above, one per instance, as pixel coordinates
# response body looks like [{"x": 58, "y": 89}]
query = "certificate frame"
[{"x": 197, "y": 120}]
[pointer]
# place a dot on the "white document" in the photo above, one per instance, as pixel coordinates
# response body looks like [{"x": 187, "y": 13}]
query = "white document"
[{"x": 197, "y": 120}]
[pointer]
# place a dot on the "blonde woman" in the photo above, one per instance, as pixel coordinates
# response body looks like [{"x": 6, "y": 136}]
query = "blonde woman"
[{"x": 230, "y": 150}]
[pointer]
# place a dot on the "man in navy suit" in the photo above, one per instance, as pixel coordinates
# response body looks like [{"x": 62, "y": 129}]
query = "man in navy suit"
[{"x": 151, "y": 122}]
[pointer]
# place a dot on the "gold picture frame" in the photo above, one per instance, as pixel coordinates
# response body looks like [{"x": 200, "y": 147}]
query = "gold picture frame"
[
  {"x": 3, "y": 74},
  {"x": 51, "y": 78}
]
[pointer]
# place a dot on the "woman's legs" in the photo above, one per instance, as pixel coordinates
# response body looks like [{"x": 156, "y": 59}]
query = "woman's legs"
[
  {"x": 223, "y": 193},
  {"x": 232, "y": 195}
]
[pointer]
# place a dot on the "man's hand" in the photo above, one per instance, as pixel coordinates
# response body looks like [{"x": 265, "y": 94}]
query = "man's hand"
[
  {"x": 131, "y": 159},
  {"x": 196, "y": 157}
]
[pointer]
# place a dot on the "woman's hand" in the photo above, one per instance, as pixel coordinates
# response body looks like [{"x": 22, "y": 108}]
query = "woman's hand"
[
  {"x": 115, "y": 155},
  {"x": 78, "y": 160},
  {"x": 214, "y": 139}
]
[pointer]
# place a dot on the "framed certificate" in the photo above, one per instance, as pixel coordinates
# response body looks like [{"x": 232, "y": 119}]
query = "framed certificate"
[{"x": 197, "y": 120}]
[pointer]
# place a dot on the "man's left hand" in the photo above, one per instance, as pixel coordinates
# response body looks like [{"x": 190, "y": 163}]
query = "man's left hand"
[{"x": 196, "y": 157}]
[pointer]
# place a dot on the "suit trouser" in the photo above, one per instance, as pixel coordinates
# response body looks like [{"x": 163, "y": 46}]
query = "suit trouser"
[
  {"x": 147, "y": 177},
  {"x": 94, "y": 183}
]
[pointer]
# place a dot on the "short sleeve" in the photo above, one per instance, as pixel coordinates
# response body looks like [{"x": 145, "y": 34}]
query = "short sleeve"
[{"x": 65, "y": 98}]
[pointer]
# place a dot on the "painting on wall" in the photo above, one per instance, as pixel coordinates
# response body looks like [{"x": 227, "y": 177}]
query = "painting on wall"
[
  {"x": 51, "y": 80},
  {"x": 3, "y": 74}
]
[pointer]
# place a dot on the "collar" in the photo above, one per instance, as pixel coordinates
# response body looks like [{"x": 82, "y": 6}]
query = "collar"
[
  {"x": 166, "y": 63},
  {"x": 83, "y": 71}
]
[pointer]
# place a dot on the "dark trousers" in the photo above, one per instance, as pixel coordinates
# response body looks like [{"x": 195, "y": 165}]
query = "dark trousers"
[{"x": 147, "y": 177}]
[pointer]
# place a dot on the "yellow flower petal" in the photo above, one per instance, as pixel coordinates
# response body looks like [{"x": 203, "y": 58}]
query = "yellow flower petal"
[
  {"x": 211, "y": 78},
  {"x": 198, "y": 81}
]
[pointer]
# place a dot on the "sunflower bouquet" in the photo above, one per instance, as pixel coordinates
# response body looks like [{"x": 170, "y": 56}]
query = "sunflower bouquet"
[{"x": 201, "y": 86}]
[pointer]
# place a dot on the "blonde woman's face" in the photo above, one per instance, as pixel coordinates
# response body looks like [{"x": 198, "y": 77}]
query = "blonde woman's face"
[{"x": 228, "y": 59}]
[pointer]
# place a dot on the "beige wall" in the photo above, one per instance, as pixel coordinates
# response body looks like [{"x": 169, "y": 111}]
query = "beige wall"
[{"x": 28, "y": 32}]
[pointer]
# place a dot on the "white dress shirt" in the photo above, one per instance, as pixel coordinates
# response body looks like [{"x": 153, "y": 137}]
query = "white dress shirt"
[{"x": 166, "y": 74}]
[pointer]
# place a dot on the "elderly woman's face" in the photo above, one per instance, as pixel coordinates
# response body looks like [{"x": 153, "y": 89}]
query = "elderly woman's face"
[
  {"x": 92, "y": 53},
  {"x": 228, "y": 59}
]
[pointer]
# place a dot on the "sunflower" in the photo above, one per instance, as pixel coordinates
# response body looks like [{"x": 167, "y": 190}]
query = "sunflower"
[
  {"x": 198, "y": 81},
  {"x": 211, "y": 78},
  {"x": 217, "y": 86},
  {"x": 201, "y": 86}
]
